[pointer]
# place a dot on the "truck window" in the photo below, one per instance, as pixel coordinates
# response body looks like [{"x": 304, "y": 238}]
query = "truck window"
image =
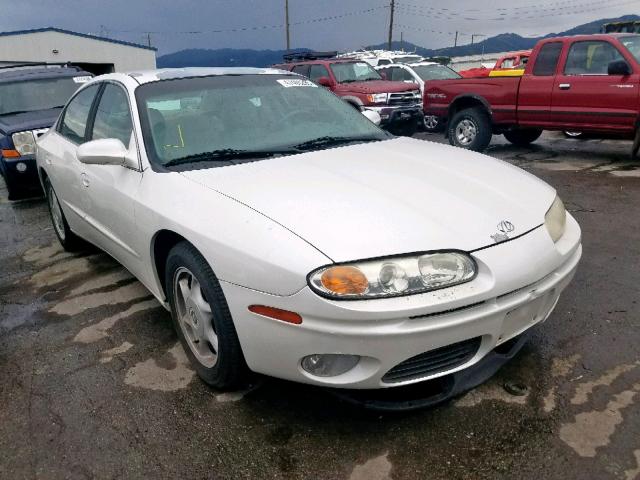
[
  {"x": 316, "y": 72},
  {"x": 547, "y": 60},
  {"x": 591, "y": 58},
  {"x": 301, "y": 70}
]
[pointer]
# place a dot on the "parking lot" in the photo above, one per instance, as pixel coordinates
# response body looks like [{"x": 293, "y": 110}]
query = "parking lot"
[{"x": 94, "y": 384}]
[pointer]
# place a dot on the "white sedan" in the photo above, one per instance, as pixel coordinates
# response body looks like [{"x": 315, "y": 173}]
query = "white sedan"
[{"x": 290, "y": 236}]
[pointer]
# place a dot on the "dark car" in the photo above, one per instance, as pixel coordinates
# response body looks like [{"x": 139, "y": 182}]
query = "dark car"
[{"x": 31, "y": 97}]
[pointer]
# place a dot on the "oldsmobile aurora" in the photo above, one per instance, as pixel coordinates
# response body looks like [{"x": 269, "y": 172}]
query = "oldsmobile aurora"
[{"x": 290, "y": 236}]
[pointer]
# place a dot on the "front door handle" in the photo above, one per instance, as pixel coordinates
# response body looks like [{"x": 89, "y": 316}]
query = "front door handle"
[
  {"x": 565, "y": 86},
  {"x": 85, "y": 179}
]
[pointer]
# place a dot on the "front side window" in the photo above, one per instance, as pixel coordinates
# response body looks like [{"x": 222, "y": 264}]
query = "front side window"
[
  {"x": 301, "y": 70},
  {"x": 349, "y": 72},
  {"x": 547, "y": 60},
  {"x": 435, "y": 72},
  {"x": 591, "y": 58},
  {"x": 113, "y": 118},
  {"x": 74, "y": 121},
  {"x": 33, "y": 95},
  {"x": 207, "y": 117}
]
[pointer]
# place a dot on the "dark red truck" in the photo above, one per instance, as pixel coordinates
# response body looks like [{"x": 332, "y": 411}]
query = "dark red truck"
[
  {"x": 356, "y": 82},
  {"x": 586, "y": 83}
]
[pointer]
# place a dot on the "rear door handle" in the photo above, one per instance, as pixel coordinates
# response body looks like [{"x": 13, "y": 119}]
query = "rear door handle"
[
  {"x": 565, "y": 86},
  {"x": 85, "y": 179}
]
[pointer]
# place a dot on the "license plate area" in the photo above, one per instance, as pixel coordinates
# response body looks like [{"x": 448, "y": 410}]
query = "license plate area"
[{"x": 523, "y": 317}]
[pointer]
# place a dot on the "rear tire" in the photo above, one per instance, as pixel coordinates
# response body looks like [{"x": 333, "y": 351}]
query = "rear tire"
[
  {"x": 202, "y": 319},
  {"x": 470, "y": 129},
  {"x": 69, "y": 240},
  {"x": 523, "y": 137}
]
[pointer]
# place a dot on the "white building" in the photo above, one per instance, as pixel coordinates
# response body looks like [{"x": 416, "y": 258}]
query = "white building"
[{"x": 95, "y": 54}]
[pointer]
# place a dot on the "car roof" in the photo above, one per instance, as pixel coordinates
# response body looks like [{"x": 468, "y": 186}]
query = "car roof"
[
  {"x": 27, "y": 72},
  {"x": 147, "y": 76},
  {"x": 328, "y": 61},
  {"x": 417, "y": 64},
  {"x": 595, "y": 36}
]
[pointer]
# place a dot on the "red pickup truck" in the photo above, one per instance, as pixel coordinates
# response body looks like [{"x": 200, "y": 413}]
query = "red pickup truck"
[
  {"x": 586, "y": 83},
  {"x": 356, "y": 82}
]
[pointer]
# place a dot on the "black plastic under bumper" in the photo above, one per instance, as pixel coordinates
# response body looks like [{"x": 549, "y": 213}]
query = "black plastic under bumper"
[
  {"x": 21, "y": 176},
  {"x": 433, "y": 392}
]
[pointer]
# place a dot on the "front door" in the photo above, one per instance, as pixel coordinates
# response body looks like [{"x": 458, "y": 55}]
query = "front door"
[{"x": 586, "y": 97}]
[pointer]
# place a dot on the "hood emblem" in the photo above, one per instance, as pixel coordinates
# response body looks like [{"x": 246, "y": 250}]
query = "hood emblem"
[{"x": 505, "y": 227}]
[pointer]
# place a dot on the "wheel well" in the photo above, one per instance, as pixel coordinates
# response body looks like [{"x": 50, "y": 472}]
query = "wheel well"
[
  {"x": 163, "y": 242},
  {"x": 464, "y": 103},
  {"x": 43, "y": 177}
]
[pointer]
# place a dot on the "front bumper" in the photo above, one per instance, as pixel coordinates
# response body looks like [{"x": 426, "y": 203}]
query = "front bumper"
[
  {"x": 518, "y": 285},
  {"x": 21, "y": 173},
  {"x": 392, "y": 115}
]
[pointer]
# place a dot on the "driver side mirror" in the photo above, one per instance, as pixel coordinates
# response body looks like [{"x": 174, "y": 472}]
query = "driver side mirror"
[
  {"x": 107, "y": 151},
  {"x": 325, "y": 82},
  {"x": 373, "y": 116},
  {"x": 619, "y": 67}
]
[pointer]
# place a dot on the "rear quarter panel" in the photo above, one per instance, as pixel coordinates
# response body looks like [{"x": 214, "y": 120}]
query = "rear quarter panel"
[{"x": 498, "y": 94}]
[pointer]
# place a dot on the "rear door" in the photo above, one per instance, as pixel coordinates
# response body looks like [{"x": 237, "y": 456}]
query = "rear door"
[
  {"x": 586, "y": 97},
  {"x": 59, "y": 149},
  {"x": 536, "y": 87}
]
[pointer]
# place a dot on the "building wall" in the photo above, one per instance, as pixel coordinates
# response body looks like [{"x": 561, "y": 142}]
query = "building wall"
[{"x": 40, "y": 46}]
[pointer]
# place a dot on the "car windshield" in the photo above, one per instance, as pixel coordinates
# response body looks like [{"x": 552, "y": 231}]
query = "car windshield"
[
  {"x": 354, "y": 72},
  {"x": 435, "y": 72},
  {"x": 32, "y": 95},
  {"x": 244, "y": 116},
  {"x": 632, "y": 43}
]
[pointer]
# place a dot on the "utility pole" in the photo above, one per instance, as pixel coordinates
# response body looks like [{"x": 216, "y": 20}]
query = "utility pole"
[
  {"x": 402, "y": 41},
  {"x": 392, "y": 8},
  {"x": 286, "y": 19},
  {"x": 455, "y": 42},
  {"x": 473, "y": 36},
  {"x": 149, "y": 39}
]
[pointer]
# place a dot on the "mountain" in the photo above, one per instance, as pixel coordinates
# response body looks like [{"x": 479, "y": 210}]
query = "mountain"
[{"x": 504, "y": 42}]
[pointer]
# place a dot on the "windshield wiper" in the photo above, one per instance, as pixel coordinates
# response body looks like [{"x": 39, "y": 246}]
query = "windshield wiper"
[
  {"x": 329, "y": 141},
  {"x": 227, "y": 154}
]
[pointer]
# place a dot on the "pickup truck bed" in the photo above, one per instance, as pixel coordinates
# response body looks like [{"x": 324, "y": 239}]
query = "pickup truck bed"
[{"x": 586, "y": 83}]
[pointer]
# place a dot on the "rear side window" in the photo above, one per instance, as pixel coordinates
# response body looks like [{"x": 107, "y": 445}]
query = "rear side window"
[
  {"x": 301, "y": 70},
  {"x": 591, "y": 58},
  {"x": 76, "y": 115},
  {"x": 547, "y": 60},
  {"x": 113, "y": 117}
]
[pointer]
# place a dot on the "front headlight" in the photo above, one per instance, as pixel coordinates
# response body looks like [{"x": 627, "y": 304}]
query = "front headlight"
[
  {"x": 393, "y": 277},
  {"x": 24, "y": 143},
  {"x": 378, "y": 98},
  {"x": 556, "y": 219}
]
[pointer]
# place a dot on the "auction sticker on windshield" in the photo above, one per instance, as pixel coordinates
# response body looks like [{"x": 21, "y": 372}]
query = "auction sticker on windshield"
[
  {"x": 83, "y": 79},
  {"x": 294, "y": 82}
]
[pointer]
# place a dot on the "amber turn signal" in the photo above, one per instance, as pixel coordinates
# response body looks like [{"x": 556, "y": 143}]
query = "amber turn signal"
[
  {"x": 10, "y": 153},
  {"x": 278, "y": 314},
  {"x": 345, "y": 280}
]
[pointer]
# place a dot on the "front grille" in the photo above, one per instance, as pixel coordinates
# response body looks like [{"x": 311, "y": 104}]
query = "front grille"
[
  {"x": 433, "y": 362},
  {"x": 406, "y": 98}
]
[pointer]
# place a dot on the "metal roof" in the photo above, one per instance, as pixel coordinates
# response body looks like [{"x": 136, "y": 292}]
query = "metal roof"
[{"x": 77, "y": 34}]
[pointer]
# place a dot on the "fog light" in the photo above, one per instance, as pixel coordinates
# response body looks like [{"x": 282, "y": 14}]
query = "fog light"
[
  {"x": 330, "y": 364},
  {"x": 21, "y": 167}
]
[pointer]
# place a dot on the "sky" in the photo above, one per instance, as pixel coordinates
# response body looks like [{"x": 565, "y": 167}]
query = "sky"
[{"x": 173, "y": 25}]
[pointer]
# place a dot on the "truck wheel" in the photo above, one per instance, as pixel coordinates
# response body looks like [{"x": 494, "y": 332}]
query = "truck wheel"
[
  {"x": 572, "y": 134},
  {"x": 523, "y": 137},
  {"x": 431, "y": 124},
  {"x": 471, "y": 129}
]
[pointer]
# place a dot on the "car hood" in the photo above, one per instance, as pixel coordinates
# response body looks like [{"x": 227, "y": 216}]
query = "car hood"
[
  {"x": 378, "y": 86},
  {"x": 20, "y": 122},
  {"x": 387, "y": 198}
]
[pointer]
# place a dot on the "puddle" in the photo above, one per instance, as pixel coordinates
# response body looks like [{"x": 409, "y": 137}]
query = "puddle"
[
  {"x": 490, "y": 392},
  {"x": 169, "y": 373},
  {"x": 107, "y": 355},
  {"x": 76, "y": 305},
  {"x": 100, "y": 330}
]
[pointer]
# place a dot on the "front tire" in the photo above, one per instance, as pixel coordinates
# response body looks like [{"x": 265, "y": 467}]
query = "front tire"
[
  {"x": 470, "y": 129},
  {"x": 431, "y": 124},
  {"x": 69, "y": 240},
  {"x": 202, "y": 319},
  {"x": 523, "y": 137}
]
